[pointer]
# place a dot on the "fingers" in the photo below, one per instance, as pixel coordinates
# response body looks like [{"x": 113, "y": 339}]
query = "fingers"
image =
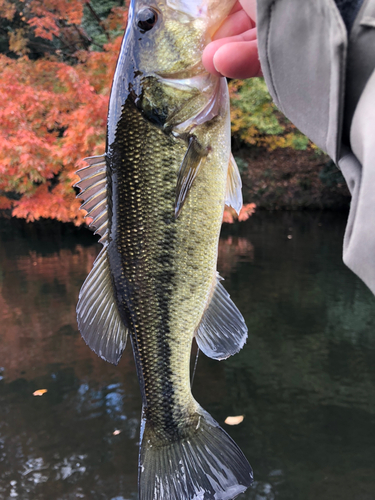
[
  {"x": 238, "y": 60},
  {"x": 236, "y": 7},
  {"x": 234, "y": 51},
  {"x": 234, "y": 57},
  {"x": 250, "y": 7},
  {"x": 236, "y": 23}
]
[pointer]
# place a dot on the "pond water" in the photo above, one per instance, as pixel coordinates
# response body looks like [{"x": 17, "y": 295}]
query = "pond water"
[{"x": 305, "y": 380}]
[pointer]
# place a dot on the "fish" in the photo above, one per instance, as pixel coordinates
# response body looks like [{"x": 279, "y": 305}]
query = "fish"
[{"x": 156, "y": 198}]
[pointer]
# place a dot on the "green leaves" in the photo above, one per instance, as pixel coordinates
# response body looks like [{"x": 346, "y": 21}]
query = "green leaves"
[{"x": 256, "y": 121}]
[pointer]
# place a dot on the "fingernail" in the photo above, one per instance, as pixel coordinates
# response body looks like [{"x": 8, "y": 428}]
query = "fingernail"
[{"x": 214, "y": 62}]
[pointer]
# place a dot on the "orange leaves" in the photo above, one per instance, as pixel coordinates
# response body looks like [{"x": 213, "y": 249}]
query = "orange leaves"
[
  {"x": 40, "y": 392},
  {"x": 27, "y": 145},
  {"x": 5, "y": 203},
  {"x": 70, "y": 11},
  {"x": 49, "y": 12},
  {"x": 230, "y": 214},
  {"x": 234, "y": 420},
  {"x": 45, "y": 27},
  {"x": 246, "y": 211},
  {"x": 18, "y": 42},
  {"x": 117, "y": 18},
  {"x": 52, "y": 115},
  {"x": 7, "y": 9},
  {"x": 54, "y": 107},
  {"x": 48, "y": 202}
]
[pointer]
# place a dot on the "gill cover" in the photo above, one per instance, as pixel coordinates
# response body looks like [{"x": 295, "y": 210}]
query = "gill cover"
[{"x": 163, "y": 37}]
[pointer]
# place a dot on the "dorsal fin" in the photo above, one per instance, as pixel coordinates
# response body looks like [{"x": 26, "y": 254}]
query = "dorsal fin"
[
  {"x": 233, "y": 196},
  {"x": 98, "y": 318},
  {"x": 93, "y": 186},
  {"x": 222, "y": 331}
]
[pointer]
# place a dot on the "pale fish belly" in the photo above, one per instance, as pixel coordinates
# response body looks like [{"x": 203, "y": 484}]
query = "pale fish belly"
[{"x": 199, "y": 226}]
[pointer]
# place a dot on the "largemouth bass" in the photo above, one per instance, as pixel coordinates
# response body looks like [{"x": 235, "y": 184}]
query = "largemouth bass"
[{"x": 157, "y": 198}]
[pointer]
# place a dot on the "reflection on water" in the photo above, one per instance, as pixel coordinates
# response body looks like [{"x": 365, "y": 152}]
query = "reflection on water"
[{"x": 305, "y": 380}]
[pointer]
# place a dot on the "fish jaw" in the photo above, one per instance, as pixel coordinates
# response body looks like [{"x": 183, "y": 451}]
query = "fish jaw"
[{"x": 170, "y": 50}]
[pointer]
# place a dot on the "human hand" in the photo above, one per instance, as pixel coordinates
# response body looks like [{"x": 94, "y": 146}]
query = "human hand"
[{"x": 234, "y": 51}]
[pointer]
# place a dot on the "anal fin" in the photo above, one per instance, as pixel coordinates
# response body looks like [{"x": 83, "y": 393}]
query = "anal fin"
[
  {"x": 98, "y": 318},
  {"x": 222, "y": 331}
]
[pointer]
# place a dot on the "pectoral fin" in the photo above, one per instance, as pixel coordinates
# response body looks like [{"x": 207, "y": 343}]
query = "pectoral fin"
[
  {"x": 189, "y": 169},
  {"x": 222, "y": 331},
  {"x": 233, "y": 197},
  {"x": 98, "y": 318}
]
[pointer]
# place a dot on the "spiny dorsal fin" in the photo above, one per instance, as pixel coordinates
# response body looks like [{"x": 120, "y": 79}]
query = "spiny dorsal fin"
[
  {"x": 97, "y": 314},
  {"x": 189, "y": 169},
  {"x": 222, "y": 331},
  {"x": 233, "y": 196},
  {"x": 93, "y": 185}
]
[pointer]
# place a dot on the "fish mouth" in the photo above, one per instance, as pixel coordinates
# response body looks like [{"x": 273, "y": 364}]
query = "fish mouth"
[
  {"x": 196, "y": 69},
  {"x": 193, "y": 77}
]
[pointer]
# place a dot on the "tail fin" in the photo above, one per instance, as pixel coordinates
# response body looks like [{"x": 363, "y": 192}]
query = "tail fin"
[{"x": 206, "y": 464}]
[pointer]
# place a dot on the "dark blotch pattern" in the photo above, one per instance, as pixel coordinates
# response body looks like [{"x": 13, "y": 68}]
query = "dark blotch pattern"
[{"x": 142, "y": 175}]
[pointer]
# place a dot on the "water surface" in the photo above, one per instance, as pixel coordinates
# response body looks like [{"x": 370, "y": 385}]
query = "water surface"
[{"x": 305, "y": 380}]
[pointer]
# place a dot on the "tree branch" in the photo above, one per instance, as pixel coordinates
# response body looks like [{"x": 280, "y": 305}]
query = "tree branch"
[{"x": 100, "y": 22}]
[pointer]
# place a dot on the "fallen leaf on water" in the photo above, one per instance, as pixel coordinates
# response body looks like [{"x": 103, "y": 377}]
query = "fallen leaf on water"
[
  {"x": 116, "y": 433},
  {"x": 234, "y": 420},
  {"x": 40, "y": 392}
]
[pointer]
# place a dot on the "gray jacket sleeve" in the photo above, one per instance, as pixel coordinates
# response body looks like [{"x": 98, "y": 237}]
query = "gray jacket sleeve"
[{"x": 323, "y": 80}]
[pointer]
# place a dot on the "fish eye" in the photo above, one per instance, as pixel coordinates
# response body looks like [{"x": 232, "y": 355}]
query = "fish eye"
[{"x": 146, "y": 19}]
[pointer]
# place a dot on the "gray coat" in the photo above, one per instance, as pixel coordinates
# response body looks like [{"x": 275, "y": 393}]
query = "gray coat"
[{"x": 322, "y": 77}]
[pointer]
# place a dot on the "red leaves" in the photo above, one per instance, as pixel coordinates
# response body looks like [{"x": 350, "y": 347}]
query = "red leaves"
[
  {"x": 44, "y": 202},
  {"x": 52, "y": 115},
  {"x": 7, "y": 9},
  {"x": 246, "y": 211},
  {"x": 45, "y": 27},
  {"x": 230, "y": 214},
  {"x": 5, "y": 203},
  {"x": 49, "y": 12}
]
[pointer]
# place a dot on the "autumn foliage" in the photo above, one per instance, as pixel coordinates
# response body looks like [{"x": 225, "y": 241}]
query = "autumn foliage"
[
  {"x": 56, "y": 73},
  {"x": 53, "y": 111},
  {"x": 256, "y": 121},
  {"x": 230, "y": 215}
]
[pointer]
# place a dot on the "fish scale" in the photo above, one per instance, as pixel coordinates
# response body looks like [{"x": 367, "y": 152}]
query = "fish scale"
[
  {"x": 157, "y": 198},
  {"x": 156, "y": 287}
]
